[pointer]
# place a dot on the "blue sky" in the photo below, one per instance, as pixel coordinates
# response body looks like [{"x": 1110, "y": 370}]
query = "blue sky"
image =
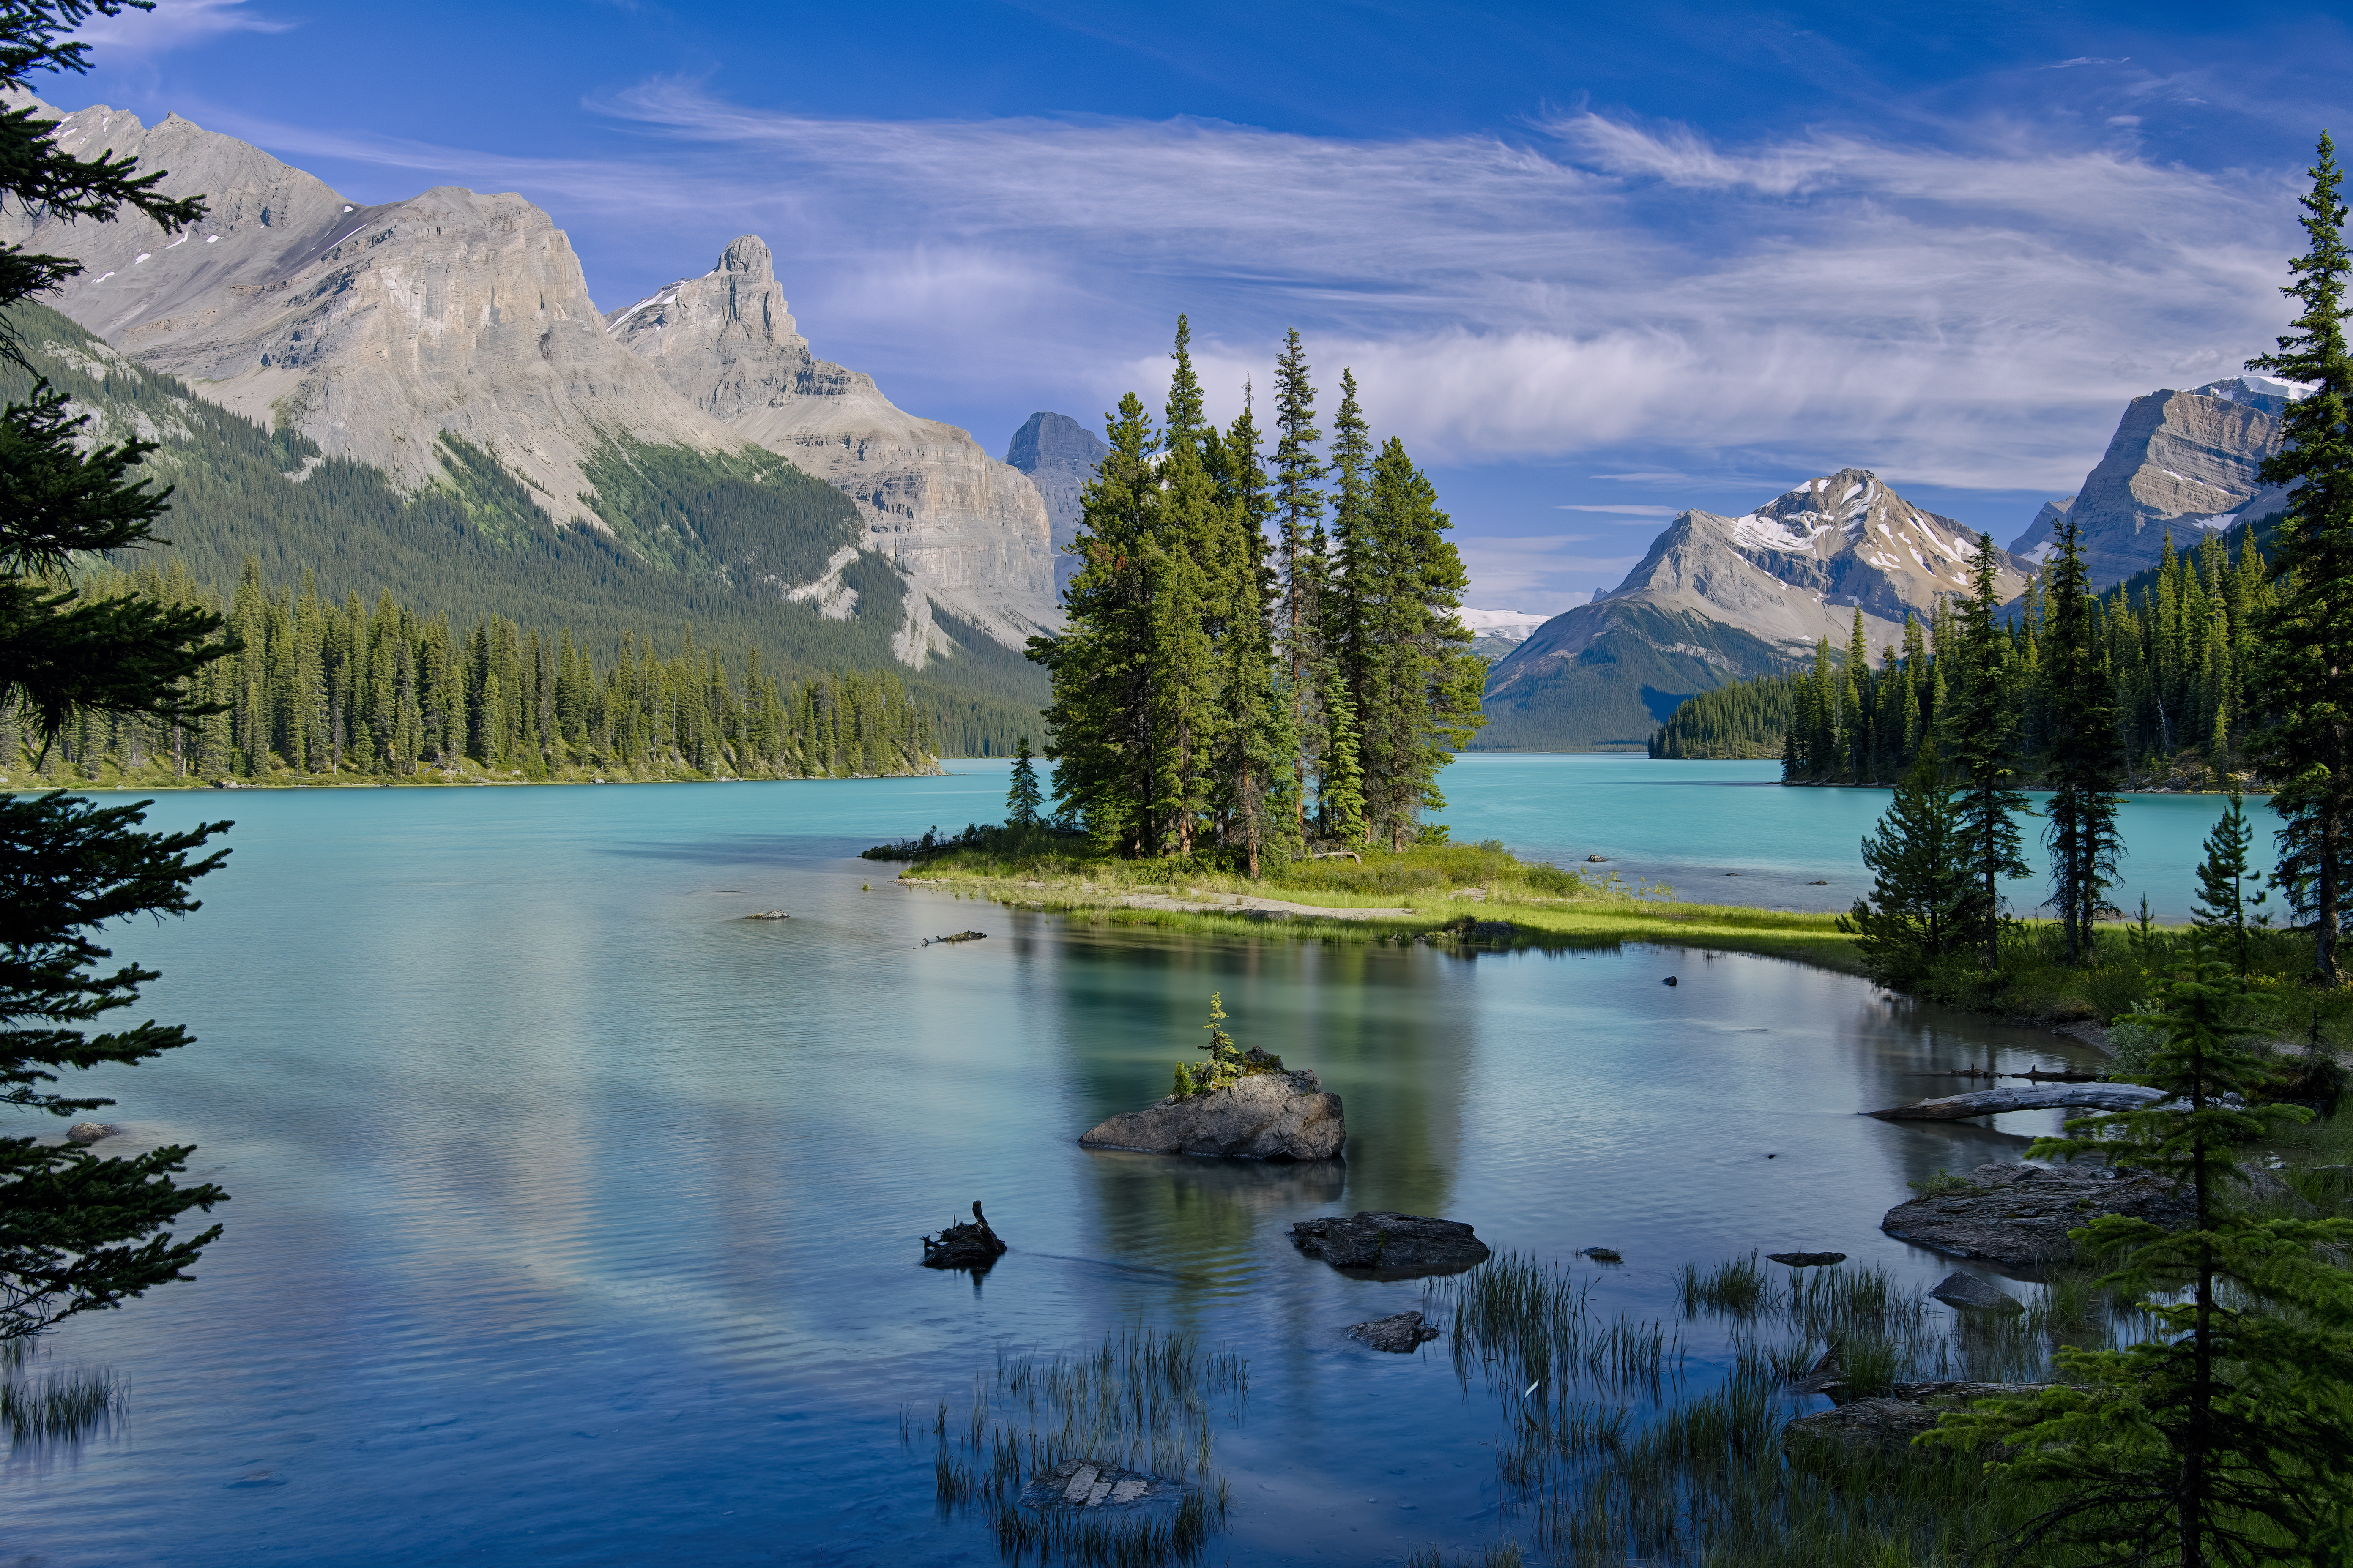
[{"x": 1593, "y": 263}]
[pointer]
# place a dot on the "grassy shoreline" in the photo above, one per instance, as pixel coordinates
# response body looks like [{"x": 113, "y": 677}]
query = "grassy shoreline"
[{"x": 1476, "y": 894}]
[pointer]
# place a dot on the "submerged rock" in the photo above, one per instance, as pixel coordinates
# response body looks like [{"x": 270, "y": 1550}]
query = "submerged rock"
[
  {"x": 1390, "y": 1245},
  {"x": 957, "y": 936},
  {"x": 769, "y": 915},
  {"x": 1601, "y": 1254},
  {"x": 1274, "y": 1116},
  {"x": 1398, "y": 1331},
  {"x": 1968, "y": 1292},
  {"x": 1807, "y": 1260},
  {"x": 2019, "y": 1216},
  {"x": 1994, "y": 1101},
  {"x": 972, "y": 1246},
  {"x": 1086, "y": 1483},
  {"x": 88, "y": 1132}
]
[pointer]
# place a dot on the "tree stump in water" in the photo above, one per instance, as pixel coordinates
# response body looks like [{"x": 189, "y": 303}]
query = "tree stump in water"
[{"x": 960, "y": 1246}]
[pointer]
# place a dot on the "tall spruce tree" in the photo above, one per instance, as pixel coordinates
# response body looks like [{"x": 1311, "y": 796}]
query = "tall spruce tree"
[
  {"x": 2084, "y": 761},
  {"x": 1420, "y": 701},
  {"x": 1255, "y": 741},
  {"x": 1981, "y": 725},
  {"x": 1299, "y": 520},
  {"x": 2305, "y": 741},
  {"x": 1023, "y": 798},
  {"x": 78, "y": 1233},
  {"x": 1100, "y": 666}
]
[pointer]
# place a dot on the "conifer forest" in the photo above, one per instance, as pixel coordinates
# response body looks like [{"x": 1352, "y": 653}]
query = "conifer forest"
[
  {"x": 1219, "y": 689},
  {"x": 319, "y": 691}
]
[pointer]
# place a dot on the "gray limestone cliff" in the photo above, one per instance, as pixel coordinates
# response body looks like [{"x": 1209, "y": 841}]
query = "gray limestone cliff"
[
  {"x": 2182, "y": 463},
  {"x": 1061, "y": 455},
  {"x": 372, "y": 330},
  {"x": 972, "y": 533}
]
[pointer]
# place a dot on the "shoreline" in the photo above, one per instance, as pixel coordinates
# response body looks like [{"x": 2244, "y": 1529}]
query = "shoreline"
[{"x": 1483, "y": 921}]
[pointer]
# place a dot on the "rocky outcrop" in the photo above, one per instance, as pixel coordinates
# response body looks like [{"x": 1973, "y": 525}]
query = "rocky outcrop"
[
  {"x": 1276, "y": 1116},
  {"x": 1883, "y": 1428},
  {"x": 2019, "y": 1216},
  {"x": 372, "y": 330},
  {"x": 1387, "y": 1246},
  {"x": 2182, "y": 463},
  {"x": 1060, "y": 455},
  {"x": 1400, "y": 1331},
  {"x": 1995, "y": 1102},
  {"x": 1719, "y": 599},
  {"x": 86, "y": 1133},
  {"x": 1973, "y": 1294},
  {"x": 1805, "y": 1260},
  {"x": 972, "y": 533}
]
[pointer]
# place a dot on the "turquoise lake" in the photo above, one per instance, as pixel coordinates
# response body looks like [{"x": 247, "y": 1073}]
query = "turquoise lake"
[{"x": 575, "y": 1217}]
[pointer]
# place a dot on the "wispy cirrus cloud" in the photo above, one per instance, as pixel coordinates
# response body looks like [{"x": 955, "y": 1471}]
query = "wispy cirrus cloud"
[
  {"x": 1965, "y": 303},
  {"x": 175, "y": 25}
]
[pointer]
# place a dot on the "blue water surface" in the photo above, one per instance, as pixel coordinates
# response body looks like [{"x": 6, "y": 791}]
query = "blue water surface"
[{"x": 574, "y": 1216}]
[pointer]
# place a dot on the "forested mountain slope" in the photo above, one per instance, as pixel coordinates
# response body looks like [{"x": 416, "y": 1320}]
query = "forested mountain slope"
[{"x": 715, "y": 541}]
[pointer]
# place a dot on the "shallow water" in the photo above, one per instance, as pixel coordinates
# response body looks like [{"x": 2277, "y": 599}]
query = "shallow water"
[{"x": 575, "y": 1217}]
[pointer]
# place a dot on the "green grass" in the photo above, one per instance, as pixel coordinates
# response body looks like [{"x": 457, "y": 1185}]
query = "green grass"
[
  {"x": 51, "y": 1407},
  {"x": 1445, "y": 891}
]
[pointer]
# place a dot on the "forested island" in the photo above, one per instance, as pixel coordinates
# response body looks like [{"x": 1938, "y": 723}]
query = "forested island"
[
  {"x": 1218, "y": 693},
  {"x": 319, "y": 692}
]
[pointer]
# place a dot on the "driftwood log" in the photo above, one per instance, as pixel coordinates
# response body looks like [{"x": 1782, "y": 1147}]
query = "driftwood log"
[
  {"x": 972, "y": 1246},
  {"x": 1994, "y": 1101}
]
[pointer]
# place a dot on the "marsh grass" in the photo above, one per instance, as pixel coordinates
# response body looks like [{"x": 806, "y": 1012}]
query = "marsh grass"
[
  {"x": 1640, "y": 1470},
  {"x": 1144, "y": 1401},
  {"x": 1503, "y": 1554},
  {"x": 44, "y": 1408},
  {"x": 1528, "y": 1322}
]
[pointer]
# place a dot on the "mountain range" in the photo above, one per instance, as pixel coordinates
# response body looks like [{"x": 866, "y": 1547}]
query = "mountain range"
[
  {"x": 450, "y": 338},
  {"x": 1719, "y": 599}
]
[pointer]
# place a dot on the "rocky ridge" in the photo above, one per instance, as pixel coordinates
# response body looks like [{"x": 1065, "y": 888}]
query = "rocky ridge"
[
  {"x": 372, "y": 330},
  {"x": 972, "y": 534},
  {"x": 2180, "y": 463},
  {"x": 1719, "y": 599}
]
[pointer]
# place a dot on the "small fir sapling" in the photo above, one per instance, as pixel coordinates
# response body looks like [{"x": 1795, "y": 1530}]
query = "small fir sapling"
[{"x": 1228, "y": 1062}]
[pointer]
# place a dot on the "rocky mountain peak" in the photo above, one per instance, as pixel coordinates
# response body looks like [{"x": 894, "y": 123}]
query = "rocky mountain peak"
[
  {"x": 2181, "y": 464},
  {"x": 1060, "y": 455},
  {"x": 973, "y": 531}
]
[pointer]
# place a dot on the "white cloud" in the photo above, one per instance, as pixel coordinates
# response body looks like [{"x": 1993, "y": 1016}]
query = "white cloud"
[
  {"x": 173, "y": 25},
  {"x": 1970, "y": 305}
]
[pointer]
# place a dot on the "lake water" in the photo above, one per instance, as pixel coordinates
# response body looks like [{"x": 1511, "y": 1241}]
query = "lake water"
[{"x": 575, "y": 1217}]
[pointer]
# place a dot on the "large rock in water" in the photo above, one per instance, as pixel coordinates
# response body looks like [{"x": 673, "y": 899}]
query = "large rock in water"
[
  {"x": 1390, "y": 1245},
  {"x": 2019, "y": 1216},
  {"x": 1266, "y": 1116}
]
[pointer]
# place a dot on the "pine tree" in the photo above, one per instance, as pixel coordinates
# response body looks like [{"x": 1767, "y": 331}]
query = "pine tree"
[
  {"x": 78, "y": 1233},
  {"x": 1254, "y": 739},
  {"x": 2085, "y": 763},
  {"x": 1298, "y": 514},
  {"x": 2224, "y": 1441},
  {"x": 2223, "y": 907},
  {"x": 2305, "y": 742},
  {"x": 1339, "y": 777},
  {"x": 1981, "y": 725},
  {"x": 1023, "y": 798},
  {"x": 1922, "y": 886}
]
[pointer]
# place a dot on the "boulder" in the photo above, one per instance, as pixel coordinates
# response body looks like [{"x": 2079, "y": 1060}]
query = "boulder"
[
  {"x": 1398, "y": 1331},
  {"x": 88, "y": 1132},
  {"x": 1973, "y": 1294},
  {"x": 1807, "y": 1260},
  {"x": 1092, "y": 1484},
  {"x": 2019, "y": 1216},
  {"x": 1274, "y": 1116},
  {"x": 1390, "y": 1245}
]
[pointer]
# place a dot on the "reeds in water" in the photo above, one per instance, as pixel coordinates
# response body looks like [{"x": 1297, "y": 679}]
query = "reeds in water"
[
  {"x": 1144, "y": 1402},
  {"x": 1529, "y": 1322},
  {"x": 52, "y": 1407}
]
